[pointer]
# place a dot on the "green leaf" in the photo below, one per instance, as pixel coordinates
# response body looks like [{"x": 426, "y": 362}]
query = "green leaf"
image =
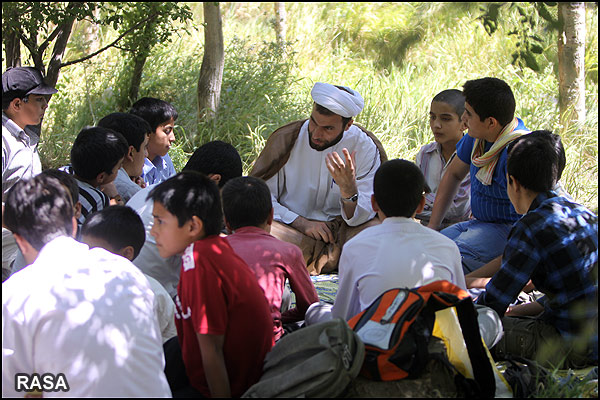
[{"x": 536, "y": 48}]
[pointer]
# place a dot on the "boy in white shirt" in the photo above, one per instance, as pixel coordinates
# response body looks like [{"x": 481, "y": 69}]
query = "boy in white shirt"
[
  {"x": 399, "y": 252},
  {"x": 433, "y": 158},
  {"x": 84, "y": 313},
  {"x": 120, "y": 230}
]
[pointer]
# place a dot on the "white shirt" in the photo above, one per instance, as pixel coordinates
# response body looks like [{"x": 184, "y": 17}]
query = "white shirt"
[
  {"x": 304, "y": 186},
  {"x": 164, "y": 270},
  {"x": 164, "y": 309},
  {"x": 20, "y": 157},
  {"x": 399, "y": 252},
  {"x": 431, "y": 162},
  {"x": 125, "y": 186},
  {"x": 87, "y": 314}
]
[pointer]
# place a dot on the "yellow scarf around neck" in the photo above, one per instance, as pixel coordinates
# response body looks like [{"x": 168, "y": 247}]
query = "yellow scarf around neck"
[{"x": 487, "y": 162}]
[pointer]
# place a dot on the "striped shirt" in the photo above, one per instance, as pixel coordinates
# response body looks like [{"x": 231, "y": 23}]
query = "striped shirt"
[
  {"x": 92, "y": 199},
  {"x": 489, "y": 203},
  {"x": 556, "y": 246}
]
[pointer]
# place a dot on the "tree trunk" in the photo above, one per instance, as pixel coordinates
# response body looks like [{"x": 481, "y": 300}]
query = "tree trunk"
[
  {"x": 12, "y": 50},
  {"x": 571, "y": 57},
  {"x": 211, "y": 71},
  {"x": 92, "y": 33},
  {"x": 59, "y": 51},
  {"x": 136, "y": 78},
  {"x": 280, "y": 25},
  {"x": 10, "y": 36}
]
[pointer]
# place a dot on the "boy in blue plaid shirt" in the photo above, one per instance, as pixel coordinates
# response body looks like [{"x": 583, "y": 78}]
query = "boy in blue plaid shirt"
[{"x": 555, "y": 245}]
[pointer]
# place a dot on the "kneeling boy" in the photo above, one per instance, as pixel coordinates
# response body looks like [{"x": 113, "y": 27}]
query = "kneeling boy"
[
  {"x": 556, "y": 246},
  {"x": 222, "y": 316}
]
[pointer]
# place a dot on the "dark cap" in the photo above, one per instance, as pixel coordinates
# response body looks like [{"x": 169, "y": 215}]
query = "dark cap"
[{"x": 26, "y": 80}]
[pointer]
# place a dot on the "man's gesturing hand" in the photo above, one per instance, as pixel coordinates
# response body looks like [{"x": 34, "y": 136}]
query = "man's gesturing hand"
[{"x": 343, "y": 172}]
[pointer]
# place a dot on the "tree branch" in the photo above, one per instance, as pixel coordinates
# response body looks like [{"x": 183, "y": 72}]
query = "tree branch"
[
  {"x": 50, "y": 38},
  {"x": 112, "y": 44}
]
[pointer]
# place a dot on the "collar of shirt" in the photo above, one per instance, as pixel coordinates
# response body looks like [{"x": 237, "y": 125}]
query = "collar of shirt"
[
  {"x": 27, "y": 136},
  {"x": 251, "y": 230},
  {"x": 541, "y": 198}
]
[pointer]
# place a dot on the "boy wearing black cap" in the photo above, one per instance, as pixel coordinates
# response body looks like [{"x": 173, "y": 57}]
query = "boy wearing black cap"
[{"x": 24, "y": 100}]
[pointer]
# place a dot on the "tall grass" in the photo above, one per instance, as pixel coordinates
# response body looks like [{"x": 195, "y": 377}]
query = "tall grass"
[{"x": 397, "y": 55}]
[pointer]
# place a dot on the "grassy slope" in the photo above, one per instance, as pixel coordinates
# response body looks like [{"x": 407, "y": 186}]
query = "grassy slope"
[{"x": 352, "y": 44}]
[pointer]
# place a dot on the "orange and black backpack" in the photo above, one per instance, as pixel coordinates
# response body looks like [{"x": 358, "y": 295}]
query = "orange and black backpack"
[{"x": 397, "y": 327}]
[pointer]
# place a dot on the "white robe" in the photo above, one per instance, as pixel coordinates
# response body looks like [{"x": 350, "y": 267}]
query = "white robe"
[{"x": 304, "y": 186}]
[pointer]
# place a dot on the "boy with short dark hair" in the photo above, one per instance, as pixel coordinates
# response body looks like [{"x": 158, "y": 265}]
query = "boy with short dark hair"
[
  {"x": 120, "y": 230},
  {"x": 137, "y": 133},
  {"x": 219, "y": 161},
  {"x": 491, "y": 123},
  {"x": 161, "y": 116},
  {"x": 400, "y": 252},
  {"x": 248, "y": 214},
  {"x": 222, "y": 317},
  {"x": 70, "y": 183},
  {"x": 96, "y": 157},
  {"x": 433, "y": 158},
  {"x": 555, "y": 244},
  {"x": 83, "y": 313}
]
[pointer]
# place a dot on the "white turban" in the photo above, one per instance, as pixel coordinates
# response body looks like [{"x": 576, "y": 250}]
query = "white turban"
[{"x": 347, "y": 104}]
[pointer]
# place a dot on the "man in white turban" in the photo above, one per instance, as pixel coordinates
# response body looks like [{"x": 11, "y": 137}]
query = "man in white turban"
[{"x": 320, "y": 172}]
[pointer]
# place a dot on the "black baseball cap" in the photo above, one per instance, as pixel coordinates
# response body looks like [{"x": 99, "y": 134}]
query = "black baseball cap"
[{"x": 25, "y": 81}]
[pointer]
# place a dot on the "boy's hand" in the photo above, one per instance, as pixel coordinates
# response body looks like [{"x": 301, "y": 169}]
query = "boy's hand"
[
  {"x": 215, "y": 370},
  {"x": 138, "y": 180},
  {"x": 111, "y": 191}
]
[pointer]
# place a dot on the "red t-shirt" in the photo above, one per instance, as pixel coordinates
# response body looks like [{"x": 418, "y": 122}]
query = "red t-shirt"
[
  {"x": 273, "y": 261},
  {"x": 218, "y": 295}
]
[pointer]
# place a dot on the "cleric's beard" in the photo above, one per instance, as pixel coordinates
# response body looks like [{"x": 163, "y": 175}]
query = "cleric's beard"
[{"x": 326, "y": 145}]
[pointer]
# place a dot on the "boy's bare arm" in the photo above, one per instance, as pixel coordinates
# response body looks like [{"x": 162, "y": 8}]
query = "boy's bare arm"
[
  {"x": 446, "y": 192},
  {"x": 211, "y": 348},
  {"x": 488, "y": 270},
  {"x": 523, "y": 310}
]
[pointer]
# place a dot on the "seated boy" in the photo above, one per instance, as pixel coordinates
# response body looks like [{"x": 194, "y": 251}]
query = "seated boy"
[
  {"x": 555, "y": 245},
  {"x": 86, "y": 314},
  {"x": 223, "y": 320},
  {"x": 433, "y": 159},
  {"x": 248, "y": 214},
  {"x": 218, "y": 160},
  {"x": 71, "y": 184},
  {"x": 400, "y": 252},
  {"x": 136, "y": 131},
  {"x": 489, "y": 116},
  {"x": 96, "y": 157},
  {"x": 161, "y": 116},
  {"x": 477, "y": 279},
  {"x": 120, "y": 230}
]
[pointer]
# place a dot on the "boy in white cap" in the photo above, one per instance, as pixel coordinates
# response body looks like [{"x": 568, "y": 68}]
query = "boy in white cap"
[
  {"x": 24, "y": 101},
  {"x": 320, "y": 173}
]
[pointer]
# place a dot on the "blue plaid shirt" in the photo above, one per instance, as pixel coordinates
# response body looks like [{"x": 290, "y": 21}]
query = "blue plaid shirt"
[{"x": 556, "y": 246}]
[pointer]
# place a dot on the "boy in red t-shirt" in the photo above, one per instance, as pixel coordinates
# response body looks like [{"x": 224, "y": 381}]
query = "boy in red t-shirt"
[
  {"x": 223, "y": 320},
  {"x": 249, "y": 213}
]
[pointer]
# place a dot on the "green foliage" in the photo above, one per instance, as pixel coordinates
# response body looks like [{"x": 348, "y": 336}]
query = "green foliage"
[
  {"x": 335, "y": 42},
  {"x": 530, "y": 22}
]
